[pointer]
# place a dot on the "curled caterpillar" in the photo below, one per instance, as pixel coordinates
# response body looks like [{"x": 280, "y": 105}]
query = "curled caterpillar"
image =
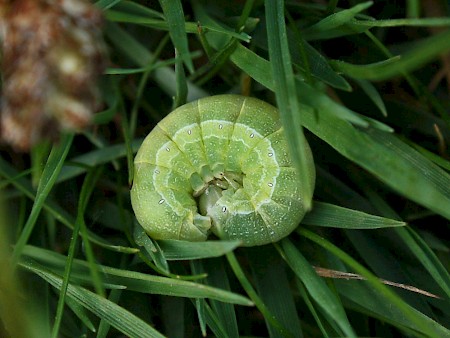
[{"x": 220, "y": 165}]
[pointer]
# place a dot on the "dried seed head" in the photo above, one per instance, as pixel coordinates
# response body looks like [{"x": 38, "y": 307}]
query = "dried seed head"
[{"x": 52, "y": 55}]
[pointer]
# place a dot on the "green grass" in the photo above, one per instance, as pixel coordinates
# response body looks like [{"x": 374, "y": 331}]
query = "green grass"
[{"x": 358, "y": 80}]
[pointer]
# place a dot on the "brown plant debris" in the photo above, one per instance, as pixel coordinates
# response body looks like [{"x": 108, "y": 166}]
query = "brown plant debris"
[
  {"x": 327, "y": 273},
  {"x": 52, "y": 55}
]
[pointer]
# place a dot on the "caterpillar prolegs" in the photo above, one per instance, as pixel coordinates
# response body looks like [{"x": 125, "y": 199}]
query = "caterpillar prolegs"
[{"x": 220, "y": 165}]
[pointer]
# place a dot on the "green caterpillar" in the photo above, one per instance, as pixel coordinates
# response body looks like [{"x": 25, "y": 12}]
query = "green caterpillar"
[{"x": 220, "y": 165}]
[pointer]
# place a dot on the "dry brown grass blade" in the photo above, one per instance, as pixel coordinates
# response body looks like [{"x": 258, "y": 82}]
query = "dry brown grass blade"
[{"x": 327, "y": 273}]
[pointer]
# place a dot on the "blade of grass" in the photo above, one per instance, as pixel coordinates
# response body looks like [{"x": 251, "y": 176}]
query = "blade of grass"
[
  {"x": 337, "y": 19},
  {"x": 443, "y": 163},
  {"x": 373, "y": 94},
  {"x": 329, "y": 215},
  {"x": 135, "y": 281},
  {"x": 107, "y": 115},
  {"x": 19, "y": 314},
  {"x": 126, "y": 6},
  {"x": 413, "y": 8},
  {"x": 105, "y": 4},
  {"x": 416, "y": 22},
  {"x": 214, "y": 323},
  {"x": 49, "y": 175},
  {"x": 39, "y": 154},
  {"x": 189, "y": 27},
  {"x": 209, "y": 318},
  {"x": 152, "y": 255},
  {"x": 121, "y": 319},
  {"x": 427, "y": 257},
  {"x": 86, "y": 191},
  {"x": 431, "y": 183},
  {"x": 104, "y": 326},
  {"x": 183, "y": 250},
  {"x": 272, "y": 284},
  {"x": 285, "y": 92},
  {"x": 423, "y": 52},
  {"x": 239, "y": 273},
  {"x": 306, "y": 57},
  {"x": 151, "y": 249},
  {"x": 217, "y": 277},
  {"x": 182, "y": 87},
  {"x": 81, "y": 313},
  {"x": 317, "y": 288},
  {"x": 307, "y": 299},
  {"x": 200, "y": 304},
  {"x": 173, "y": 11},
  {"x": 245, "y": 15},
  {"x": 331, "y": 7}
]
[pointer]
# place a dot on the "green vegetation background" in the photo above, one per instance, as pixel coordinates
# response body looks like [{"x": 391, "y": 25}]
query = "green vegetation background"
[{"x": 366, "y": 83}]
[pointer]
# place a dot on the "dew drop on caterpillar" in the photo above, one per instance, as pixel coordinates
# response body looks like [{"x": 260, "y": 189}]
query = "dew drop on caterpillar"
[{"x": 220, "y": 165}]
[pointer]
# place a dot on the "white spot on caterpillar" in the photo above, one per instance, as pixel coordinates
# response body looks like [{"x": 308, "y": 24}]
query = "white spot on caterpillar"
[
  {"x": 161, "y": 201},
  {"x": 252, "y": 135},
  {"x": 220, "y": 126},
  {"x": 270, "y": 185},
  {"x": 156, "y": 171},
  {"x": 224, "y": 209},
  {"x": 270, "y": 154},
  {"x": 167, "y": 149}
]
